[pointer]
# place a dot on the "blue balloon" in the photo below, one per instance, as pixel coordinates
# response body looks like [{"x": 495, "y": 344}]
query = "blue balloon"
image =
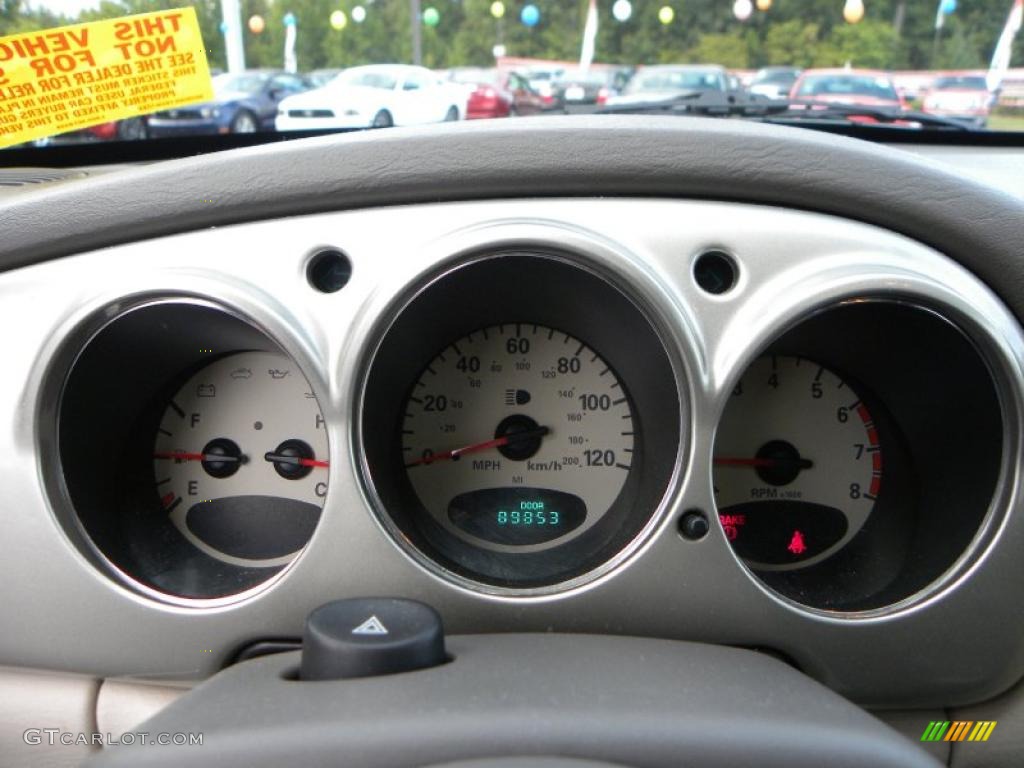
[
  {"x": 289, "y": 19},
  {"x": 530, "y": 15},
  {"x": 223, "y": 28},
  {"x": 948, "y": 6}
]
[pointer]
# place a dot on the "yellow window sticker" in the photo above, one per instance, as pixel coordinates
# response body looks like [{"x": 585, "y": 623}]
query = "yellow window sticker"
[{"x": 75, "y": 77}]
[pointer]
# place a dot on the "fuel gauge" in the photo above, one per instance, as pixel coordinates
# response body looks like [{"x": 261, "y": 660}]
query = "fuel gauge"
[{"x": 241, "y": 460}]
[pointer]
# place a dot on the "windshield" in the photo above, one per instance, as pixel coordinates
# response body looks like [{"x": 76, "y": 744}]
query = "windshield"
[
  {"x": 74, "y": 71},
  {"x": 367, "y": 78},
  {"x": 676, "y": 80},
  {"x": 874, "y": 86},
  {"x": 776, "y": 76},
  {"x": 965, "y": 83}
]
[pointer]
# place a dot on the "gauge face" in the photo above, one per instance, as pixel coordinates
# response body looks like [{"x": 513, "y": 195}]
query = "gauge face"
[
  {"x": 517, "y": 437},
  {"x": 241, "y": 460},
  {"x": 797, "y": 465}
]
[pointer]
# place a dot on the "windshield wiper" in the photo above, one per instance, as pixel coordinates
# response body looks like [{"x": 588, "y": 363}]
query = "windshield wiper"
[{"x": 785, "y": 112}]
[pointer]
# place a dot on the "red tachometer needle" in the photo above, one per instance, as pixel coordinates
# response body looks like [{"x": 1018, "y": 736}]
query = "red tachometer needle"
[
  {"x": 184, "y": 456},
  {"x": 497, "y": 442},
  {"x": 730, "y": 462},
  {"x": 733, "y": 462}
]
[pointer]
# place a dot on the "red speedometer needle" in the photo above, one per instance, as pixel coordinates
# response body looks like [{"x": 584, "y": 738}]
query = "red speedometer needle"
[
  {"x": 733, "y": 462},
  {"x": 497, "y": 442},
  {"x": 185, "y": 456}
]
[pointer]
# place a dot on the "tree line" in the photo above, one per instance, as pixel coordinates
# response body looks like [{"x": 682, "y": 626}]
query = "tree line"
[{"x": 894, "y": 34}]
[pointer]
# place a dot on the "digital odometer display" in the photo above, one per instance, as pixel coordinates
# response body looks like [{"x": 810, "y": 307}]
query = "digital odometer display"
[
  {"x": 511, "y": 416},
  {"x": 517, "y": 516}
]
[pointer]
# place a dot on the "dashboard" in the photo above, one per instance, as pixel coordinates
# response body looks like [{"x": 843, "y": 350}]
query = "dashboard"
[
  {"x": 693, "y": 398},
  {"x": 526, "y": 413}
]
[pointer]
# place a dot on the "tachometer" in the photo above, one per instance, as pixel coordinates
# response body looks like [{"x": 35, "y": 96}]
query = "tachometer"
[
  {"x": 241, "y": 460},
  {"x": 517, "y": 437},
  {"x": 798, "y": 464}
]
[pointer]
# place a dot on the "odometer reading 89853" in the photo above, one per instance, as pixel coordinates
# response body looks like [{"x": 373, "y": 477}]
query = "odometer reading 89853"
[{"x": 517, "y": 437}]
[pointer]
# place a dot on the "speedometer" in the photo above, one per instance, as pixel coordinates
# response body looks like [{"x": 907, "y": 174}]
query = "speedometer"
[{"x": 517, "y": 437}]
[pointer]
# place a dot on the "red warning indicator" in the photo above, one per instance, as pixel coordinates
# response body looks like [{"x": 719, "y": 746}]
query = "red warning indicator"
[
  {"x": 796, "y": 544},
  {"x": 732, "y": 524}
]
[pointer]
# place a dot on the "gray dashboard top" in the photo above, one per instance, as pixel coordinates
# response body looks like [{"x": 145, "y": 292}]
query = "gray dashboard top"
[{"x": 571, "y": 156}]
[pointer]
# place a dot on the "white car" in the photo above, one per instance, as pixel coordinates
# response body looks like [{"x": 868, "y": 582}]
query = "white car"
[{"x": 374, "y": 96}]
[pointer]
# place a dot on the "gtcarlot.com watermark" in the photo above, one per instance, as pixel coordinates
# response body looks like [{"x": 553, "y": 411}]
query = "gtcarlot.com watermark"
[{"x": 55, "y": 736}]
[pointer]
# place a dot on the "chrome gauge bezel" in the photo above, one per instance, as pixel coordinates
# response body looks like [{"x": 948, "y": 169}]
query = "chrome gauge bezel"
[
  {"x": 1002, "y": 356},
  {"x": 92, "y": 323},
  {"x": 591, "y": 257}
]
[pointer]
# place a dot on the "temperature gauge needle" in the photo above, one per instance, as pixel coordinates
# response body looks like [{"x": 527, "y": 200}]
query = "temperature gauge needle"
[
  {"x": 733, "y": 462},
  {"x": 497, "y": 442},
  {"x": 280, "y": 458},
  {"x": 185, "y": 456}
]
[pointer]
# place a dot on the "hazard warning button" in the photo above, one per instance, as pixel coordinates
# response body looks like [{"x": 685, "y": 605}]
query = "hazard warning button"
[{"x": 365, "y": 637}]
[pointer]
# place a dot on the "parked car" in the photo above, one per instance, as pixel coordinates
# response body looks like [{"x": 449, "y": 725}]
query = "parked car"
[
  {"x": 377, "y": 96},
  {"x": 129, "y": 129},
  {"x": 242, "y": 103},
  {"x": 859, "y": 87},
  {"x": 663, "y": 82},
  {"x": 491, "y": 93},
  {"x": 578, "y": 90},
  {"x": 774, "y": 82},
  {"x": 542, "y": 80},
  {"x": 961, "y": 97}
]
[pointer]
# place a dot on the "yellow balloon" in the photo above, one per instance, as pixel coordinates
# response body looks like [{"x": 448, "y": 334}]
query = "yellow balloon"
[
  {"x": 764, "y": 5},
  {"x": 257, "y": 24},
  {"x": 666, "y": 15},
  {"x": 497, "y": 9},
  {"x": 853, "y": 11},
  {"x": 339, "y": 20}
]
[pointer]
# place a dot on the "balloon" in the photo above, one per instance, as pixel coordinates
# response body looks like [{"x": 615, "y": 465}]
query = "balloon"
[
  {"x": 666, "y": 14},
  {"x": 622, "y": 10},
  {"x": 497, "y": 9},
  {"x": 742, "y": 9},
  {"x": 257, "y": 24},
  {"x": 338, "y": 20},
  {"x": 223, "y": 28},
  {"x": 530, "y": 15},
  {"x": 948, "y": 6},
  {"x": 853, "y": 11},
  {"x": 359, "y": 14},
  {"x": 764, "y": 5},
  {"x": 289, "y": 19},
  {"x": 431, "y": 16}
]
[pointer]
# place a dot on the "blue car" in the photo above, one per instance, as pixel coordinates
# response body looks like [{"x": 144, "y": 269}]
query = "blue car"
[{"x": 243, "y": 103}]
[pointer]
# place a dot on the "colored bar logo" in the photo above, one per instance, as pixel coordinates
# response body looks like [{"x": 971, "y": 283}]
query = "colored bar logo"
[{"x": 959, "y": 730}]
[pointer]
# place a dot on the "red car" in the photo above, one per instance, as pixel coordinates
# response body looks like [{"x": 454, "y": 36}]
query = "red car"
[
  {"x": 963, "y": 97},
  {"x": 495, "y": 94},
  {"x": 859, "y": 87}
]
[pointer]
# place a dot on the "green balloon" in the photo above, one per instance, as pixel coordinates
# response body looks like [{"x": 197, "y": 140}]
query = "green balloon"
[{"x": 431, "y": 17}]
